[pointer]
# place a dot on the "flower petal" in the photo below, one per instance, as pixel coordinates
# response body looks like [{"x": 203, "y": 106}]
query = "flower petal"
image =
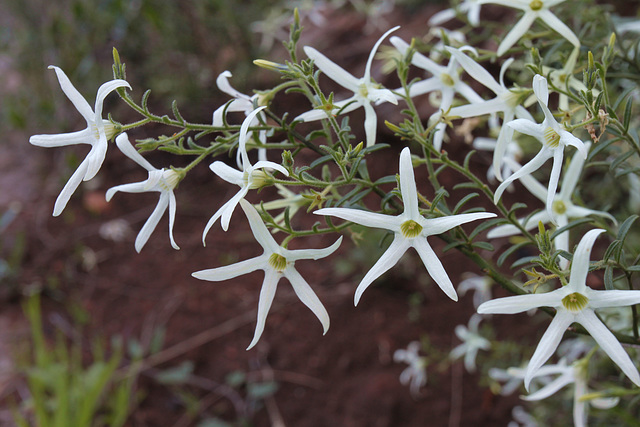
[
  {"x": 528, "y": 128},
  {"x": 307, "y": 296},
  {"x": 268, "y": 291},
  {"x": 557, "y": 25},
  {"x": 520, "y": 303},
  {"x": 172, "y": 217},
  {"x": 533, "y": 165},
  {"x": 572, "y": 175},
  {"x": 259, "y": 230},
  {"x": 511, "y": 230},
  {"x": 226, "y": 172},
  {"x": 391, "y": 256},
  {"x": 552, "y": 387},
  {"x": 516, "y": 32},
  {"x": 362, "y": 217},
  {"x": 152, "y": 222},
  {"x": 294, "y": 255},
  {"x": 232, "y": 270},
  {"x": 74, "y": 96},
  {"x": 612, "y": 298},
  {"x": 70, "y": 187},
  {"x": 580, "y": 263},
  {"x": 63, "y": 139},
  {"x": 548, "y": 344},
  {"x": 104, "y": 90},
  {"x": 370, "y": 123},
  {"x": 367, "y": 70},
  {"x": 475, "y": 70},
  {"x": 541, "y": 90},
  {"x": 123, "y": 143},
  {"x": 435, "y": 226},
  {"x": 609, "y": 343},
  {"x": 434, "y": 267},
  {"x": 408, "y": 187},
  {"x": 332, "y": 70}
]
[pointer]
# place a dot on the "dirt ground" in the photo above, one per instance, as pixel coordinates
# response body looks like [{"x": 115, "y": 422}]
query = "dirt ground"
[{"x": 346, "y": 378}]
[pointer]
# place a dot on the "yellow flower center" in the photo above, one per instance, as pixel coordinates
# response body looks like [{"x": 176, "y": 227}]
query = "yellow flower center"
[
  {"x": 559, "y": 207},
  {"x": 551, "y": 137},
  {"x": 447, "y": 79},
  {"x": 364, "y": 91},
  {"x": 575, "y": 302},
  {"x": 410, "y": 229},
  {"x": 278, "y": 262},
  {"x": 536, "y": 5}
]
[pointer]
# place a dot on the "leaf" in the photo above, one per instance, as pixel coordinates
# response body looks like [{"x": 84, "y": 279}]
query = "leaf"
[
  {"x": 462, "y": 202},
  {"x": 608, "y": 278},
  {"x": 510, "y": 251}
]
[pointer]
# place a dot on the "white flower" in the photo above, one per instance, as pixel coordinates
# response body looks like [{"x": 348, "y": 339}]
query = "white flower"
[
  {"x": 574, "y": 303},
  {"x": 250, "y": 177},
  {"x": 240, "y": 103},
  {"x": 446, "y": 80},
  {"x": 575, "y": 373},
  {"x": 416, "y": 373},
  {"x": 553, "y": 138},
  {"x": 533, "y": 9},
  {"x": 507, "y": 101},
  {"x": 97, "y": 134},
  {"x": 161, "y": 180},
  {"x": 410, "y": 230},
  {"x": 562, "y": 207},
  {"x": 472, "y": 342},
  {"x": 470, "y": 7},
  {"x": 480, "y": 284},
  {"x": 365, "y": 91},
  {"x": 276, "y": 262}
]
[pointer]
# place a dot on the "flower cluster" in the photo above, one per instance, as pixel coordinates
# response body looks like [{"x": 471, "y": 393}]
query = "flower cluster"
[{"x": 534, "y": 110}]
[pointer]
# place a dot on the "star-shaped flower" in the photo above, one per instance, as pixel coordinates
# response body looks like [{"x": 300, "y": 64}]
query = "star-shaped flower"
[
  {"x": 446, "y": 80},
  {"x": 365, "y": 91},
  {"x": 562, "y": 206},
  {"x": 575, "y": 374},
  {"x": 472, "y": 342},
  {"x": 553, "y": 138},
  {"x": 533, "y": 9},
  {"x": 276, "y": 262},
  {"x": 469, "y": 7},
  {"x": 161, "y": 180},
  {"x": 416, "y": 373},
  {"x": 97, "y": 134},
  {"x": 410, "y": 230},
  {"x": 240, "y": 103},
  {"x": 574, "y": 303},
  {"x": 507, "y": 101},
  {"x": 250, "y": 177}
]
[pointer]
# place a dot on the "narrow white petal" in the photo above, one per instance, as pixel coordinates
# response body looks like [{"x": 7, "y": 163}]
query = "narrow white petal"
[
  {"x": 381, "y": 95},
  {"x": 609, "y": 344},
  {"x": 242, "y": 136},
  {"x": 516, "y": 32},
  {"x": 70, "y": 187},
  {"x": 528, "y": 128},
  {"x": 370, "y": 123},
  {"x": 104, "y": 90},
  {"x": 134, "y": 187},
  {"x": 520, "y": 303},
  {"x": 418, "y": 59},
  {"x": 308, "y": 297},
  {"x": 548, "y": 344},
  {"x": 510, "y": 229},
  {"x": 226, "y": 172},
  {"x": 123, "y": 143},
  {"x": 223, "y": 84},
  {"x": 232, "y": 270},
  {"x": 230, "y": 206},
  {"x": 259, "y": 230},
  {"x": 435, "y": 226},
  {"x": 567, "y": 139},
  {"x": 533, "y": 165},
  {"x": 367, "y": 70},
  {"x": 541, "y": 89},
  {"x": 572, "y": 175},
  {"x": 468, "y": 93},
  {"x": 74, "y": 96},
  {"x": 438, "y": 135},
  {"x": 294, "y": 255},
  {"x": 391, "y": 256},
  {"x": 475, "y": 70},
  {"x": 557, "y": 25},
  {"x": 441, "y": 17},
  {"x": 151, "y": 223},
  {"x": 551, "y": 388},
  {"x": 332, "y": 70},
  {"x": 556, "y": 168},
  {"x": 580, "y": 212},
  {"x": 368, "y": 219},
  {"x": 534, "y": 187},
  {"x": 172, "y": 217},
  {"x": 490, "y": 106},
  {"x": 425, "y": 86},
  {"x": 312, "y": 115},
  {"x": 434, "y": 267},
  {"x": 612, "y": 298},
  {"x": 63, "y": 139},
  {"x": 408, "y": 187},
  {"x": 580, "y": 263},
  {"x": 265, "y": 164},
  {"x": 268, "y": 291}
]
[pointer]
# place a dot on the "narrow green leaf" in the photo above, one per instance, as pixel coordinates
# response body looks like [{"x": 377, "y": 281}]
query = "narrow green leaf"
[
  {"x": 462, "y": 202},
  {"x": 510, "y": 251},
  {"x": 627, "y": 114},
  {"x": 608, "y": 278}
]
